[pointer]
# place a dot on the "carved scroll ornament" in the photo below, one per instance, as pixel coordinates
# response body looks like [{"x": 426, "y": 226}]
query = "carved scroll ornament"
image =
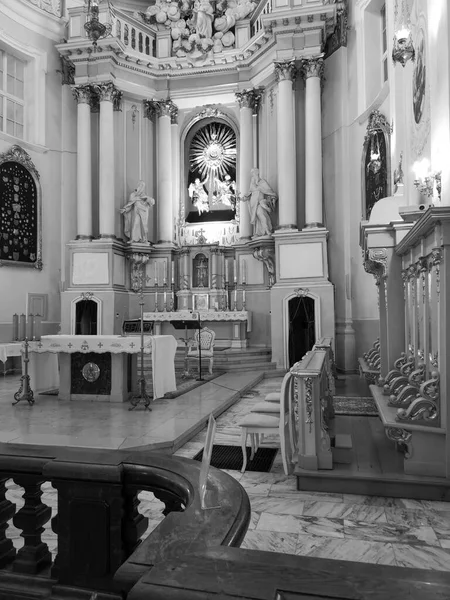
[{"x": 375, "y": 263}]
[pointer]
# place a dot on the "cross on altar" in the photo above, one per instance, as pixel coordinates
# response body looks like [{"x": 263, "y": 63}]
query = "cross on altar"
[
  {"x": 201, "y": 232},
  {"x": 100, "y": 345},
  {"x": 69, "y": 345},
  {"x": 132, "y": 345}
]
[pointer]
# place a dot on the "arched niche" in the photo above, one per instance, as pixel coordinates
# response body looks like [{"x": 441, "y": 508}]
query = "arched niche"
[
  {"x": 376, "y": 163},
  {"x": 20, "y": 210},
  {"x": 86, "y": 315},
  {"x": 206, "y": 121},
  {"x": 200, "y": 271}
]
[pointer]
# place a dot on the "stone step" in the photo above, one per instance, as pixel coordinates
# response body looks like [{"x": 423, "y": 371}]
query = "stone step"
[{"x": 343, "y": 449}]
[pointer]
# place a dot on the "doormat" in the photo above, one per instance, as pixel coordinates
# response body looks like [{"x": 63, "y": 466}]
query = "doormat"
[
  {"x": 355, "y": 407},
  {"x": 230, "y": 457}
]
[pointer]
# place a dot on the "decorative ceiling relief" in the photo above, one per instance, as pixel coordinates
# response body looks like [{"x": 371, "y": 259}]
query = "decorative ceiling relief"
[
  {"x": 51, "y": 6},
  {"x": 198, "y": 27}
]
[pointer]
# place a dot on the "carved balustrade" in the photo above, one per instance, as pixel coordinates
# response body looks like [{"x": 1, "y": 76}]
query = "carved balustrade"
[
  {"x": 98, "y": 524},
  {"x": 314, "y": 388},
  {"x": 370, "y": 363}
]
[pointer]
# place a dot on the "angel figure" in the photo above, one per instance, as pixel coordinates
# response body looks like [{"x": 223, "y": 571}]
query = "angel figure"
[{"x": 199, "y": 196}]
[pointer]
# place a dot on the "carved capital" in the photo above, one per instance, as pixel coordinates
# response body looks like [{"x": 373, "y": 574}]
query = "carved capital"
[
  {"x": 249, "y": 99},
  {"x": 312, "y": 67},
  {"x": 83, "y": 94},
  {"x": 107, "y": 92},
  {"x": 161, "y": 108},
  {"x": 286, "y": 70},
  {"x": 435, "y": 257},
  {"x": 375, "y": 263}
]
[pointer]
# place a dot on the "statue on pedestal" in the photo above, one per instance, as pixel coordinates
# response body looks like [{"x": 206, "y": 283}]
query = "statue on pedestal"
[
  {"x": 261, "y": 202},
  {"x": 135, "y": 214},
  {"x": 199, "y": 196}
]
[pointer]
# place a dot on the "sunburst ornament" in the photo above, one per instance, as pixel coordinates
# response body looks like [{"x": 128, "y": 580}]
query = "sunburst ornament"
[{"x": 213, "y": 151}]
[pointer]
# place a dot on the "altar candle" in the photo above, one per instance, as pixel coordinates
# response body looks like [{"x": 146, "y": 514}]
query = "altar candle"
[
  {"x": 165, "y": 272},
  {"x": 37, "y": 327},
  {"x": 173, "y": 272},
  {"x": 156, "y": 273},
  {"x": 15, "y": 327},
  {"x": 227, "y": 279},
  {"x": 223, "y": 266},
  {"x": 235, "y": 271},
  {"x": 244, "y": 271},
  {"x": 30, "y": 326},
  {"x": 22, "y": 326}
]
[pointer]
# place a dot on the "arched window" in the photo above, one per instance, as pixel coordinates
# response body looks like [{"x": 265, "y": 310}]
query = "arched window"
[{"x": 20, "y": 210}]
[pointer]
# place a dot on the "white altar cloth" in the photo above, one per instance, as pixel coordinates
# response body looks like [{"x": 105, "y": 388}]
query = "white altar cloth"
[
  {"x": 206, "y": 316},
  {"x": 162, "y": 348},
  {"x": 10, "y": 349}
]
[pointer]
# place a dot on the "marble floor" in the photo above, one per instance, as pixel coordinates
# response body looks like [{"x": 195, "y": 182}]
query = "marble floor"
[{"x": 393, "y": 531}]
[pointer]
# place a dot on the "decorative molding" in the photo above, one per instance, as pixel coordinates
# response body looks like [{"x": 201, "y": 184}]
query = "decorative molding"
[
  {"x": 308, "y": 402},
  {"x": 286, "y": 70},
  {"x": 375, "y": 263},
  {"x": 265, "y": 255},
  {"x": 312, "y": 67},
  {"x": 301, "y": 292},
  {"x": 138, "y": 274},
  {"x": 426, "y": 406},
  {"x": 83, "y": 94},
  {"x": 401, "y": 436},
  {"x": 19, "y": 155},
  {"x": 250, "y": 99},
  {"x": 50, "y": 6},
  {"x": 67, "y": 71},
  {"x": 377, "y": 122},
  {"x": 338, "y": 38}
]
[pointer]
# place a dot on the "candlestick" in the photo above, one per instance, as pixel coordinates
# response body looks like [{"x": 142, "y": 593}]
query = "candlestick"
[
  {"x": 227, "y": 266},
  {"x": 37, "y": 327},
  {"x": 235, "y": 271},
  {"x": 30, "y": 327},
  {"x": 15, "y": 327},
  {"x": 22, "y": 326},
  {"x": 156, "y": 273},
  {"x": 165, "y": 272},
  {"x": 244, "y": 271},
  {"x": 173, "y": 272},
  {"x": 243, "y": 299},
  {"x": 235, "y": 300},
  {"x": 165, "y": 300},
  {"x": 156, "y": 298},
  {"x": 223, "y": 267}
]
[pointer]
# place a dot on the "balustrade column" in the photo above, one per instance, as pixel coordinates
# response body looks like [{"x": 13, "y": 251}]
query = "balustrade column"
[
  {"x": 109, "y": 97},
  {"x": 167, "y": 112},
  {"x": 249, "y": 101},
  {"x": 83, "y": 96},
  {"x": 287, "y": 194},
  {"x": 312, "y": 71}
]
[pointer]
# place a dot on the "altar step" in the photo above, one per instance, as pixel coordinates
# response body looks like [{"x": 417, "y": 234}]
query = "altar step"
[{"x": 246, "y": 359}]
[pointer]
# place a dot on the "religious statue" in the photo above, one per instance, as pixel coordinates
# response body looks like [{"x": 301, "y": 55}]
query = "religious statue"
[
  {"x": 398, "y": 174},
  {"x": 201, "y": 270},
  {"x": 203, "y": 18},
  {"x": 199, "y": 196},
  {"x": 136, "y": 213},
  {"x": 261, "y": 199},
  {"x": 225, "y": 193}
]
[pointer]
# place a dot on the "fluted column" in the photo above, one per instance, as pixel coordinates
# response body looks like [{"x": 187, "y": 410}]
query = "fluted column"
[
  {"x": 249, "y": 101},
  {"x": 83, "y": 96},
  {"x": 166, "y": 112},
  {"x": 312, "y": 71},
  {"x": 109, "y": 97},
  {"x": 287, "y": 182}
]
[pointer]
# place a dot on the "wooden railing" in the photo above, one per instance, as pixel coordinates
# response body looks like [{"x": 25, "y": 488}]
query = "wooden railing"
[
  {"x": 314, "y": 389},
  {"x": 98, "y": 524}
]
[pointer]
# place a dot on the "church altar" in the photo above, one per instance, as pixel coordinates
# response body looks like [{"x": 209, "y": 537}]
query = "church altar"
[
  {"x": 99, "y": 367},
  {"x": 240, "y": 320}
]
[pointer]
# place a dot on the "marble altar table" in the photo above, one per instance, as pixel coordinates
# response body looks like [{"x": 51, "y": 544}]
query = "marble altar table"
[
  {"x": 239, "y": 320},
  {"x": 9, "y": 350},
  {"x": 99, "y": 367}
]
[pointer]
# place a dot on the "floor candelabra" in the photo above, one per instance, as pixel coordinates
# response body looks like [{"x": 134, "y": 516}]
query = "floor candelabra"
[{"x": 25, "y": 392}]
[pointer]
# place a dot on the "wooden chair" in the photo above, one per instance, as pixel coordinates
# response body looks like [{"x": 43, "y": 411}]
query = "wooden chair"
[
  {"x": 267, "y": 423},
  {"x": 207, "y": 338}
]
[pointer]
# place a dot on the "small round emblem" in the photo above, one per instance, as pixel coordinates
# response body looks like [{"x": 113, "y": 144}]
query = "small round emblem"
[{"x": 91, "y": 372}]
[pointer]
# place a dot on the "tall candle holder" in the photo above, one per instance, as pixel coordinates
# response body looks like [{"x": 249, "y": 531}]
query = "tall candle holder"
[
  {"x": 235, "y": 306},
  {"x": 165, "y": 296},
  {"x": 227, "y": 305},
  {"x": 156, "y": 296},
  {"x": 172, "y": 298},
  {"x": 24, "y": 392},
  {"x": 244, "y": 305}
]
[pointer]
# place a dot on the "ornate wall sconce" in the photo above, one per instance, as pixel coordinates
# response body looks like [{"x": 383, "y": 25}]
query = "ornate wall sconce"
[
  {"x": 428, "y": 182},
  {"x": 403, "y": 48},
  {"x": 94, "y": 29}
]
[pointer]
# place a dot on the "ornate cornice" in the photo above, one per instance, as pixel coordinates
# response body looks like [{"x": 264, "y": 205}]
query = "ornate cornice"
[
  {"x": 377, "y": 122},
  {"x": 83, "y": 94},
  {"x": 375, "y": 263},
  {"x": 249, "y": 99},
  {"x": 19, "y": 155},
  {"x": 312, "y": 67},
  {"x": 286, "y": 70},
  {"x": 161, "y": 108}
]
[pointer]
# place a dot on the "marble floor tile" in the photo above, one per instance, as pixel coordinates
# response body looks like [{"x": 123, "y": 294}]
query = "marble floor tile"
[
  {"x": 270, "y": 478},
  {"x": 353, "y": 512},
  {"x": 254, "y": 521},
  {"x": 409, "y": 518},
  {"x": 306, "y": 496},
  {"x": 382, "y": 501},
  {"x": 333, "y": 528},
  {"x": 434, "y": 505},
  {"x": 345, "y": 549},
  {"x": 277, "y": 506},
  {"x": 445, "y": 544},
  {"x": 270, "y": 541},
  {"x": 384, "y": 532},
  {"x": 256, "y": 489},
  {"x": 440, "y": 522},
  {"x": 422, "y": 557}
]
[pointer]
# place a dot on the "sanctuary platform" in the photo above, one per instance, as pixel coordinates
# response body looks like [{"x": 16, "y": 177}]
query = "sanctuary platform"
[{"x": 168, "y": 426}]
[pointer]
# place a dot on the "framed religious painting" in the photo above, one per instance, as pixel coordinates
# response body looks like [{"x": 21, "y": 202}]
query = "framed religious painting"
[
  {"x": 200, "y": 301},
  {"x": 20, "y": 211}
]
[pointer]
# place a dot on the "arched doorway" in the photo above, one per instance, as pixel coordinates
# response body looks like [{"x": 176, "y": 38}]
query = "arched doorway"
[
  {"x": 302, "y": 330},
  {"x": 86, "y": 317}
]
